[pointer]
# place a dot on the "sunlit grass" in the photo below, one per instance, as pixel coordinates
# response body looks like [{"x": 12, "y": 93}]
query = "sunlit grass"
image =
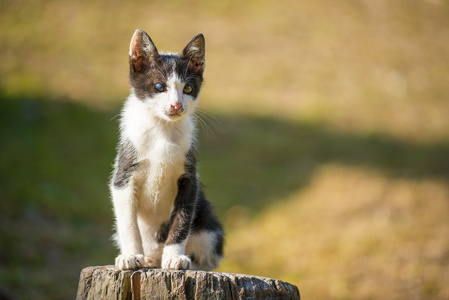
[{"x": 350, "y": 234}]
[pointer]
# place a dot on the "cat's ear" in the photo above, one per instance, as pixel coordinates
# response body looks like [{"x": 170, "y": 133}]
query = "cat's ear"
[
  {"x": 195, "y": 52},
  {"x": 142, "y": 51}
]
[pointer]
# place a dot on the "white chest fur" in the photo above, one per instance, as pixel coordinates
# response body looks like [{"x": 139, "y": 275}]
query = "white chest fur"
[{"x": 161, "y": 148}]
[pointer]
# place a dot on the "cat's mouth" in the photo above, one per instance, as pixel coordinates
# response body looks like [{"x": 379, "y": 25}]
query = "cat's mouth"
[
  {"x": 174, "y": 115},
  {"x": 175, "y": 112}
]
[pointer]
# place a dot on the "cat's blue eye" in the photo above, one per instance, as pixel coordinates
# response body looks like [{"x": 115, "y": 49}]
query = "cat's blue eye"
[
  {"x": 159, "y": 87},
  {"x": 188, "y": 89}
]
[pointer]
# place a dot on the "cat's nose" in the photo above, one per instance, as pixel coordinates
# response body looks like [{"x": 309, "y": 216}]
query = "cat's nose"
[{"x": 176, "y": 106}]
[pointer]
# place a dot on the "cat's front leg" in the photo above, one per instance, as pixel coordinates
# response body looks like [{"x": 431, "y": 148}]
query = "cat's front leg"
[
  {"x": 131, "y": 250},
  {"x": 173, "y": 256},
  {"x": 123, "y": 196}
]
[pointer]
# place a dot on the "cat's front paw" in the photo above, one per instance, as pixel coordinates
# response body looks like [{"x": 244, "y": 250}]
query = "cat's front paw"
[
  {"x": 181, "y": 262},
  {"x": 129, "y": 262}
]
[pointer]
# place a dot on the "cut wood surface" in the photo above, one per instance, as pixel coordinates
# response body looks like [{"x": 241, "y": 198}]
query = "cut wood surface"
[{"x": 107, "y": 282}]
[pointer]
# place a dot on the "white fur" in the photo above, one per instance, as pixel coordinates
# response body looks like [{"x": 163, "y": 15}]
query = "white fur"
[
  {"x": 174, "y": 257},
  {"x": 126, "y": 221},
  {"x": 161, "y": 143},
  {"x": 202, "y": 245},
  {"x": 124, "y": 262}
]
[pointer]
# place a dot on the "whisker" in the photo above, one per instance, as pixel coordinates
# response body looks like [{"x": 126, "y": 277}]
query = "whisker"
[
  {"x": 209, "y": 116},
  {"x": 208, "y": 121},
  {"x": 203, "y": 125},
  {"x": 117, "y": 115},
  {"x": 201, "y": 122},
  {"x": 206, "y": 128}
]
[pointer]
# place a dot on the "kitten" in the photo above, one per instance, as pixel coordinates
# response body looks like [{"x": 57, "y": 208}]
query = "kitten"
[{"x": 162, "y": 217}]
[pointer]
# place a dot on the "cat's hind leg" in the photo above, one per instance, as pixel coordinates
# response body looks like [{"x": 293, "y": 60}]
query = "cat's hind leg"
[{"x": 205, "y": 249}]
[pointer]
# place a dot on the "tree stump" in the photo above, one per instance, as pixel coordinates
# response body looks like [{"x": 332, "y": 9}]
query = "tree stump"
[{"x": 107, "y": 282}]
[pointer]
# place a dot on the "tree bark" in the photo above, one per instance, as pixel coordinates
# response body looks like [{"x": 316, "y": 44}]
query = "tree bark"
[{"x": 107, "y": 282}]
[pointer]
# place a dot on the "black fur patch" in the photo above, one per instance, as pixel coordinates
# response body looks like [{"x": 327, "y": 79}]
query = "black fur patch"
[
  {"x": 184, "y": 209},
  {"x": 220, "y": 242},
  {"x": 162, "y": 234},
  {"x": 126, "y": 164},
  {"x": 205, "y": 220}
]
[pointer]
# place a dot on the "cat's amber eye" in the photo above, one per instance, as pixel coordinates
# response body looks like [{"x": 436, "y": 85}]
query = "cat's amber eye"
[
  {"x": 188, "y": 89},
  {"x": 159, "y": 87}
]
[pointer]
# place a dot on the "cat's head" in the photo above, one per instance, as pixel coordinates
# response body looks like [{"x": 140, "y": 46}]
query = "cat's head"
[{"x": 168, "y": 83}]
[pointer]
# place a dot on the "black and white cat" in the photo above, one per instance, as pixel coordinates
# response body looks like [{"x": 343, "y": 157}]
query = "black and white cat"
[{"x": 162, "y": 217}]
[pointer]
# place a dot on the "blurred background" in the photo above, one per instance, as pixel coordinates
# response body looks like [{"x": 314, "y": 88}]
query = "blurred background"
[{"x": 323, "y": 129}]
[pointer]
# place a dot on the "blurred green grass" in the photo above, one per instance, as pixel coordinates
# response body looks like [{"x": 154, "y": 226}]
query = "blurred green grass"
[
  {"x": 55, "y": 163},
  {"x": 327, "y": 136}
]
